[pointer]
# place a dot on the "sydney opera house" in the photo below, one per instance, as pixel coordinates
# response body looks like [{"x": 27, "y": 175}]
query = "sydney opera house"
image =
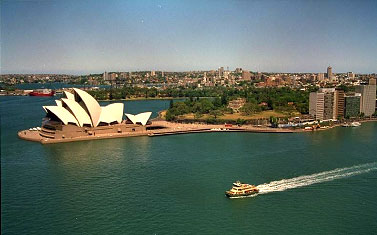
[{"x": 79, "y": 116}]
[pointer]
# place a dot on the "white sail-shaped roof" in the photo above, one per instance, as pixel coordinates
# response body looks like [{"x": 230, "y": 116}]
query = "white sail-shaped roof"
[
  {"x": 59, "y": 103},
  {"x": 69, "y": 95},
  {"x": 94, "y": 109},
  {"x": 80, "y": 114},
  {"x": 112, "y": 113},
  {"x": 63, "y": 114},
  {"x": 139, "y": 118}
]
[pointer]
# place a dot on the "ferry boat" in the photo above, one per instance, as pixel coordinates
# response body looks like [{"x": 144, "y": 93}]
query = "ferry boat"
[
  {"x": 241, "y": 190},
  {"x": 353, "y": 124},
  {"x": 42, "y": 92}
]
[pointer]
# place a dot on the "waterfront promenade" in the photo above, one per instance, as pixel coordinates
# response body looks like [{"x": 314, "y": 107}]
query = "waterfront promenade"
[
  {"x": 162, "y": 128},
  {"x": 158, "y": 128}
]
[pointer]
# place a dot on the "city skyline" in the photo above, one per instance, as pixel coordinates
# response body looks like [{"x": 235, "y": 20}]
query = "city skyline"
[{"x": 270, "y": 36}]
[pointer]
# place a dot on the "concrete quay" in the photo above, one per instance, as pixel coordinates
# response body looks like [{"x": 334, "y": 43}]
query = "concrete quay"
[{"x": 157, "y": 128}]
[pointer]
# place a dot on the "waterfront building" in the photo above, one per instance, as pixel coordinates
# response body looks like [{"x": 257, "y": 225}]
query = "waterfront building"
[
  {"x": 321, "y": 104},
  {"x": 316, "y": 105},
  {"x": 338, "y": 104},
  {"x": 368, "y": 97},
  {"x": 79, "y": 115},
  {"x": 328, "y": 108},
  {"x": 352, "y": 105}
]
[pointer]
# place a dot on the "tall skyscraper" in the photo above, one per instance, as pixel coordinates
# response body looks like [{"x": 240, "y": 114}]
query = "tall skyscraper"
[
  {"x": 329, "y": 72},
  {"x": 105, "y": 76},
  {"x": 368, "y": 97}
]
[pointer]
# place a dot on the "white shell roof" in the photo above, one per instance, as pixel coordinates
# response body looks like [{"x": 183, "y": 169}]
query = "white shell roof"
[
  {"x": 91, "y": 104},
  {"x": 59, "y": 103},
  {"x": 112, "y": 113},
  {"x": 141, "y": 117},
  {"x": 88, "y": 111},
  {"x": 80, "y": 114},
  {"x": 69, "y": 95},
  {"x": 63, "y": 114}
]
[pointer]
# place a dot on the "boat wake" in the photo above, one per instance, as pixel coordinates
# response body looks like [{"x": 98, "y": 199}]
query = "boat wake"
[{"x": 305, "y": 180}]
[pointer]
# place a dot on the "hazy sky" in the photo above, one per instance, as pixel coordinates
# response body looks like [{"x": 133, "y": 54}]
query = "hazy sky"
[{"x": 83, "y": 36}]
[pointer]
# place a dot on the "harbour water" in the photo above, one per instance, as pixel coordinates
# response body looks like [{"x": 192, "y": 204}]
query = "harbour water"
[{"x": 313, "y": 183}]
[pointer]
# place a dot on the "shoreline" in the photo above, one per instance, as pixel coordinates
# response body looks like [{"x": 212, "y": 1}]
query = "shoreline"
[{"x": 170, "y": 128}]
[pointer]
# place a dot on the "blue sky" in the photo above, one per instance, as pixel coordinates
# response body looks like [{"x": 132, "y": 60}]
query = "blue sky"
[{"x": 80, "y": 37}]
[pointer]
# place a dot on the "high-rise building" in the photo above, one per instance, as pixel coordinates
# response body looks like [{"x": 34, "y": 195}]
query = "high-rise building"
[
  {"x": 328, "y": 108},
  {"x": 338, "y": 104},
  {"x": 368, "y": 97},
  {"x": 321, "y": 104},
  {"x": 329, "y": 72},
  {"x": 352, "y": 105},
  {"x": 238, "y": 70},
  {"x": 316, "y": 105},
  {"x": 153, "y": 73}
]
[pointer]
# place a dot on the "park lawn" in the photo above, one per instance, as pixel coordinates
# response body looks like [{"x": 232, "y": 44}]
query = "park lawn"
[{"x": 262, "y": 115}]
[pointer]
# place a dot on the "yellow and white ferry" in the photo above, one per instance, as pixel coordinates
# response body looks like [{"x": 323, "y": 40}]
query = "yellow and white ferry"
[{"x": 241, "y": 190}]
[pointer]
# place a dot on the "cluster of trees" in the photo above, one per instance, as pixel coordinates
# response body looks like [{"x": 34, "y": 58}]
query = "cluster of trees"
[
  {"x": 215, "y": 107},
  {"x": 279, "y": 99},
  {"x": 124, "y": 93},
  {"x": 257, "y": 100}
]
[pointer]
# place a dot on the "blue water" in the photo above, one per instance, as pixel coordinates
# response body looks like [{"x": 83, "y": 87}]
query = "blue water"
[{"x": 176, "y": 184}]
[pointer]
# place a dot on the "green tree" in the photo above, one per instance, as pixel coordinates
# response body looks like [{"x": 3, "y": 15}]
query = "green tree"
[
  {"x": 274, "y": 121},
  {"x": 215, "y": 113},
  {"x": 250, "y": 108}
]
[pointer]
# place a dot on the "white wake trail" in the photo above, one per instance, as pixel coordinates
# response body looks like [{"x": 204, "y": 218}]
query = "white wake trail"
[{"x": 305, "y": 180}]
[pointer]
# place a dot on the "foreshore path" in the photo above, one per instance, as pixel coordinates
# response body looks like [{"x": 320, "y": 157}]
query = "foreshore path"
[{"x": 162, "y": 128}]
